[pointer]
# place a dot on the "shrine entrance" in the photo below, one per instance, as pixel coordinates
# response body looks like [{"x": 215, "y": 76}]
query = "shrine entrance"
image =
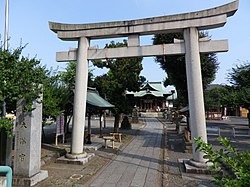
[{"x": 189, "y": 24}]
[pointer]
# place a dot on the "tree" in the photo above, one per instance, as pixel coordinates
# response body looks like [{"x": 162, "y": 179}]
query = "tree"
[
  {"x": 214, "y": 98},
  {"x": 225, "y": 96},
  {"x": 66, "y": 90},
  {"x": 175, "y": 66},
  {"x": 53, "y": 95},
  {"x": 240, "y": 75},
  {"x": 236, "y": 95},
  {"x": 239, "y": 78},
  {"x": 20, "y": 77},
  {"x": 123, "y": 74}
]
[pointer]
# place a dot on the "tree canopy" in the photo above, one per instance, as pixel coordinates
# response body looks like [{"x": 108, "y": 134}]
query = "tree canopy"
[
  {"x": 54, "y": 95},
  {"x": 20, "y": 77},
  {"x": 175, "y": 67},
  {"x": 239, "y": 77},
  {"x": 235, "y": 95},
  {"x": 67, "y": 80},
  {"x": 221, "y": 96},
  {"x": 123, "y": 74}
]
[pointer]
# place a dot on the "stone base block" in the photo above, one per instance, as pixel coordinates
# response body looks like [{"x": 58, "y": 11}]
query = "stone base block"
[
  {"x": 77, "y": 161},
  {"x": 191, "y": 168},
  {"x": 23, "y": 181}
]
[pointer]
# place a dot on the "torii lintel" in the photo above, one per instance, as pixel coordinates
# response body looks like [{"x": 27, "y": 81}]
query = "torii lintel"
[
  {"x": 204, "y": 19},
  {"x": 176, "y": 48}
]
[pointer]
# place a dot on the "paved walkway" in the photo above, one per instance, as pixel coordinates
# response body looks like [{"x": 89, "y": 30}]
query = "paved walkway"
[{"x": 138, "y": 163}]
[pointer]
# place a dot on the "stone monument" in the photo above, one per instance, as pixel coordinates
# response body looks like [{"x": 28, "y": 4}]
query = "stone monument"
[{"x": 27, "y": 157}]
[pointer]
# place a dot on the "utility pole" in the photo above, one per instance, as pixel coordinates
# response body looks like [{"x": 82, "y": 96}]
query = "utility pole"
[{"x": 6, "y": 31}]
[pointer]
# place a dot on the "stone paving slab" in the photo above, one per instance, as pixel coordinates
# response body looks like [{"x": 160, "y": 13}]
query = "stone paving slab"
[{"x": 138, "y": 163}]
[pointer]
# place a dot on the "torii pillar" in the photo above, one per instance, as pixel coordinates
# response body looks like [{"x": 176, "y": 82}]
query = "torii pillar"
[
  {"x": 195, "y": 90},
  {"x": 188, "y": 23},
  {"x": 81, "y": 85}
]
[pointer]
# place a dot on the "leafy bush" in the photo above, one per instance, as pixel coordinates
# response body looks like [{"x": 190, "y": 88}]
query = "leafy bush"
[
  {"x": 231, "y": 167},
  {"x": 7, "y": 126}
]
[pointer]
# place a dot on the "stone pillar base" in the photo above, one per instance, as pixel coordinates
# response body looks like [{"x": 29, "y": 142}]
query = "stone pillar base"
[
  {"x": 31, "y": 181},
  {"x": 192, "y": 166},
  {"x": 78, "y": 159},
  {"x": 76, "y": 156}
]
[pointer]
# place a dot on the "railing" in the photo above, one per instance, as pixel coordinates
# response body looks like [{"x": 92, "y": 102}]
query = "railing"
[{"x": 8, "y": 171}]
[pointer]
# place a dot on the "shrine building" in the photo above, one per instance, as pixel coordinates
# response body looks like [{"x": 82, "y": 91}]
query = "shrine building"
[{"x": 152, "y": 97}]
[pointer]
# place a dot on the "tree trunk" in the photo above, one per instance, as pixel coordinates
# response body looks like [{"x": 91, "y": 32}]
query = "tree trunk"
[
  {"x": 66, "y": 123},
  {"x": 116, "y": 123}
]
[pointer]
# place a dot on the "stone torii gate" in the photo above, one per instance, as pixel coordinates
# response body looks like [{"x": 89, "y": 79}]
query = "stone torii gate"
[{"x": 192, "y": 46}]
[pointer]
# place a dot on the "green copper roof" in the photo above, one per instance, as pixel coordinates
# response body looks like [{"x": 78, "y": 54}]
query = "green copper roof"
[
  {"x": 151, "y": 88},
  {"x": 154, "y": 86},
  {"x": 95, "y": 100}
]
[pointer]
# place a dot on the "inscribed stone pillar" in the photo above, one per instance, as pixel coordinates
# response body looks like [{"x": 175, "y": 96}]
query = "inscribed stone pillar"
[
  {"x": 195, "y": 91},
  {"x": 80, "y": 98},
  {"x": 28, "y": 140}
]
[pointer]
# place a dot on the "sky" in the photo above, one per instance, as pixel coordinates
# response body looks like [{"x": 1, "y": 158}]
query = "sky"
[{"x": 28, "y": 24}]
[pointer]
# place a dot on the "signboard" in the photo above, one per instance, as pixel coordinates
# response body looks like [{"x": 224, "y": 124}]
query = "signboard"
[
  {"x": 60, "y": 124},
  {"x": 59, "y": 127}
]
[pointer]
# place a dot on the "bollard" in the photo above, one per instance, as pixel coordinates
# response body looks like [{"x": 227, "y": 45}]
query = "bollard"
[{"x": 8, "y": 171}]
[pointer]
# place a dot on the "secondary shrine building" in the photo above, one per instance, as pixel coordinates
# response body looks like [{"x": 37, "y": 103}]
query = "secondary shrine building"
[{"x": 152, "y": 97}]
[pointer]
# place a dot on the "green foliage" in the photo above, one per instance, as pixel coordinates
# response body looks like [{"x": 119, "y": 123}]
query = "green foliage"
[
  {"x": 67, "y": 86},
  {"x": 20, "y": 77},
  {"x": 175, "y": 67},
  {"x": 239, "y": 77},
  {"x": 214, "y": 98},
  {"x": 7, "y": 126},
  {"x": 231, "y": 166},
  {"x": 123, "y": 74},
  {"x": 24, "y": 78},
  {"x": 221, "y": 96},
  {"x": 53, "y": 95}
]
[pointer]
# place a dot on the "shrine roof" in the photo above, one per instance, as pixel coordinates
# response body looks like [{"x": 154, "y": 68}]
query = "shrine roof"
[
  {"x": 151, "y": 88},
  {"x": 95, "y": 100}
]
